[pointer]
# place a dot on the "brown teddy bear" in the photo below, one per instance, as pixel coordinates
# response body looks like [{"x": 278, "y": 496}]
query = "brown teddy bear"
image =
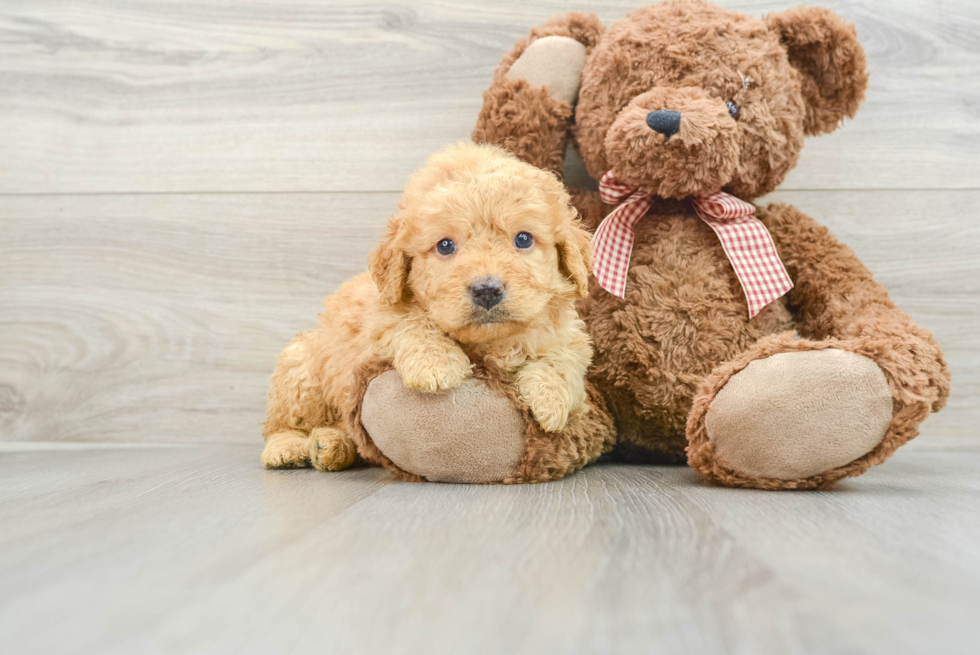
[{"x": 744, "y": 339}]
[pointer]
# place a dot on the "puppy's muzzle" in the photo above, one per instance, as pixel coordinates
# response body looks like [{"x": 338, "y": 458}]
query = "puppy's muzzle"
[{"x": 487, "y": 292}]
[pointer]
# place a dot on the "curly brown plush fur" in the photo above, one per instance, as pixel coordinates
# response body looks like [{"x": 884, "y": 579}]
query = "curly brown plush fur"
[{"x": 682, "y": 332}]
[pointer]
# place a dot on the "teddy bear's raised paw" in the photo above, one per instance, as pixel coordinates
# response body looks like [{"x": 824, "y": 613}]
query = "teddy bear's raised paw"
[{"x": 555, "y": 62}]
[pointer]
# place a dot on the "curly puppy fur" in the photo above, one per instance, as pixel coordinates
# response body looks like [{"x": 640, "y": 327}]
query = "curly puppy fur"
[
  {"x": 683, "y": 330},
  {"x": 418, "y": 307}
]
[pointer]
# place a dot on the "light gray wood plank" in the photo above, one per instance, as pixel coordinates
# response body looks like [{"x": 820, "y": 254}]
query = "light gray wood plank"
[
  {"x": 158, "y": 318},
  {"x": 196, "y": 549},
  {"x": 111, "y": 96},
  {"x": 129, "y": 318}
]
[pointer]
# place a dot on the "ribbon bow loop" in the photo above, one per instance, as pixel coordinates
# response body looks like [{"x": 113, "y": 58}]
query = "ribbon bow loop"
[
  {"x": 746, "y": 241},
  {"x": 613, "y": 191}
]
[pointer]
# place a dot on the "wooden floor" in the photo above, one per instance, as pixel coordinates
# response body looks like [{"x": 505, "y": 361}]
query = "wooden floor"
[
  {"x": 187, "y": 549},
  {"x": 181, "y": 182}
]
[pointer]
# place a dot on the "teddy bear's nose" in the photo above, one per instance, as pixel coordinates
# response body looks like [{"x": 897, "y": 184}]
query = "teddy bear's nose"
[{"x": 665, "y": 122}]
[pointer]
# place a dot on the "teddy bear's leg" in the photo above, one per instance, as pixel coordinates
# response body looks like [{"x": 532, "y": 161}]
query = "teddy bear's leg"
[
  {"x": 794, "y": 414},
  {"x": 467, "y": 434},
  {"x": 479, "y": 432},
  {"x": 528, "y": 108},
  {"x": 804, "y": 413}
]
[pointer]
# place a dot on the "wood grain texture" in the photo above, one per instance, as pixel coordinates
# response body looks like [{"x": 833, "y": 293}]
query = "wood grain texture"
[
  {"x": 159, "y": 317},
  {"x": 179, "y": 96},
  {"x": 197, "y": 549},
  {"x": 137, "y": 317}
]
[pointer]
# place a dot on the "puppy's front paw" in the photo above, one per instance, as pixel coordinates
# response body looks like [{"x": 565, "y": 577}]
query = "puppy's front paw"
[
  {"x": 547, "y": 394},
  {"x": 431, "y": 372}
]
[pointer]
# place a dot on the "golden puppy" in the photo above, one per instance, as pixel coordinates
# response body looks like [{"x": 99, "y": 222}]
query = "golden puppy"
[{"x": 484, "y": 250}]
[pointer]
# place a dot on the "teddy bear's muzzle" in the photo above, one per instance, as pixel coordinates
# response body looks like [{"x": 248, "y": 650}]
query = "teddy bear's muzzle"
[
  {"x": 665, "y": 122},
  {"x": 674, "y": 143}
]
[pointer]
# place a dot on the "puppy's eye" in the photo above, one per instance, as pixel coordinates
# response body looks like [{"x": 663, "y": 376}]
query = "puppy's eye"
[
  {"x": 446, "y": 247},
  {"x": 734, "y": 110},
  {"x": 523, "y": 241}
]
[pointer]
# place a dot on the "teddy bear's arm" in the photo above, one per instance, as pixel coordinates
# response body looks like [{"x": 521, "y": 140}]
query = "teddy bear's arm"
[
  {"x": 836, "y": 297},
  {"x": 528, "y": 108}
]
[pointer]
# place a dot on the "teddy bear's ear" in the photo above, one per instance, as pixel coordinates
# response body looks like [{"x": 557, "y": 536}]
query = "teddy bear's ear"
[
  {"x": 388, "y": 264},
  {"x": 824, "y": 49}
]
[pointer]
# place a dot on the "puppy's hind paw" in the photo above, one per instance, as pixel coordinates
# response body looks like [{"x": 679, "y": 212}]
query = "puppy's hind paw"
[
  {"x": 286, "y": 450},
  {"x": 331, "y": 449}
]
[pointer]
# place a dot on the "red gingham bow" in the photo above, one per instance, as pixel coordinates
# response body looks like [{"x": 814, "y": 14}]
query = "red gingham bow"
[{"x": 745, "y": 239}]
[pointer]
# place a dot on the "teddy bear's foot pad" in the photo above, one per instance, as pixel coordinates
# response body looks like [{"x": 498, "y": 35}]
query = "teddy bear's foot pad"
[
  {"x": 555, "y": 62},
  {"x": 798, "y": 414},
  {"x": 468, "y": 434}
]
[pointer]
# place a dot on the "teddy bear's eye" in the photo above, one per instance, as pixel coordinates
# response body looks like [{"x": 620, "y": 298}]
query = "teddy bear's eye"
[
  {"x": 446, "y": 247},
  {"x": 523, "y": 241},
  {"x": 734, "y": 110}
]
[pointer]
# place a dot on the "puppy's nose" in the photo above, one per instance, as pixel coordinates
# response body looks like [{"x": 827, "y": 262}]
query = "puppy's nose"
[
  {"x": 665, "y": 122},
  {"x": 487, "y": 292}
]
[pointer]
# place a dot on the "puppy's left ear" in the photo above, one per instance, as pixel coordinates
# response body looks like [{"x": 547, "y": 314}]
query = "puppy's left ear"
[
  {"x": 824, "y": 49},
  {"x": 575, "y": 252},
  {"x": 389, "y": 264}
]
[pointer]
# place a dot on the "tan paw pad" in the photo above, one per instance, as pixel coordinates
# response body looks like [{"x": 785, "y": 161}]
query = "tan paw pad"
[{"x": 798, "y": 414}]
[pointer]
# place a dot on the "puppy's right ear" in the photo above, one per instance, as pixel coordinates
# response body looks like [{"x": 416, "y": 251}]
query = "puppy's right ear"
[
  {"x": 575, "y": 253},
  {"x": 388, "y": 264}
]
